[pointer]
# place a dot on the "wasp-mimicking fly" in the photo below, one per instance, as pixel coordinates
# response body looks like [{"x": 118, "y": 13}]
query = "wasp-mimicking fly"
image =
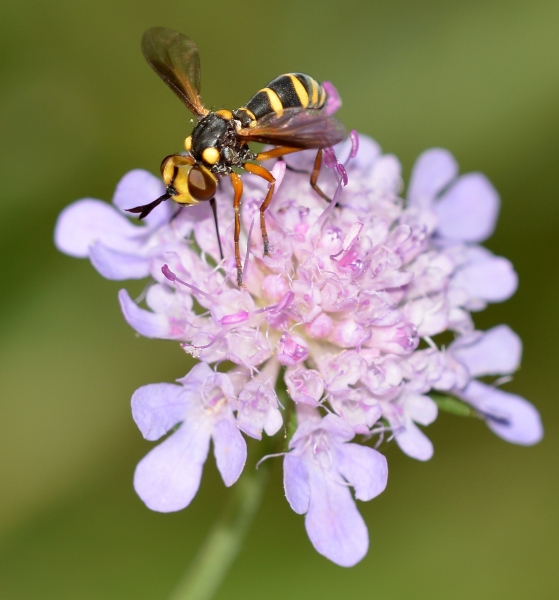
[{"x": 288, "y": 113}]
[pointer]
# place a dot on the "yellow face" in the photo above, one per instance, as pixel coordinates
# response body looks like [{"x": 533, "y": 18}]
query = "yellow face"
[{"x": 192, "y": 183}]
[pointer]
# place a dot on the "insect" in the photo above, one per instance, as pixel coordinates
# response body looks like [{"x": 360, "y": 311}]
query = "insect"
[{"x": 288, "y": 113}]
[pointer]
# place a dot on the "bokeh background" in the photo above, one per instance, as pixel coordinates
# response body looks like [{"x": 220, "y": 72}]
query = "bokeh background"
[{"x": 79, "y": 107}]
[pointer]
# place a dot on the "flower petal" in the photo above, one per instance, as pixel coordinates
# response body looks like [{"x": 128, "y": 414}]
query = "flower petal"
[
  {"x": 486, "y": 278},
  {"x": 146, "y": 323},
  {"x": 139, "y": 187},
  {"x": 296, "y": 483},
  {"x": 157, "y": 408},
  {"x": 421, "y": 409},
  {"x": 168, "y": 478},
  {"x": 230, "y": 450},
  {"x": 385, "y": 176},
  {"x": 413, "y": 441},
  {"x": 468, "y": 210},
  {"x": 510, "y": 416},
  {"x": 364, "y": 468},
  {"x": 273, "y": 421},
  {"x": 116, "y": 265},
  {"x": 432, "y": 172},
  {"x": 496, "y": 352},
  {"x": 86, "y": 221},
  {"x": 333, "y": 523}
]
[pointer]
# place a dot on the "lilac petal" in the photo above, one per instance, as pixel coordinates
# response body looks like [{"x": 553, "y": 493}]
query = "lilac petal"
[
  {"x": 296, "y": 483},
  {"x": 497, "y": 352},
  {"x": 510, "y": 416},
  {"x": 86, "y": 221},
  {"x": 168, "y": 478},
  {"x": 468, "y": 210},
  {"x": 116, "y": 265},
  {"x": 421, "y": 409},
  {"x": 157, "y": 408},
  {"x": 273, "y": 421},
  {"x": 487, "y": 278},
  {"x": 432, "y": 172},
  {"x": 386, "y": 174},
  {"x": 338, "y": 429},
  {"x": 368, "y": 152},
  {"x": 230, "y": 450},
  {"x": 413, "y": 441},
  {"x": 333, "y": 523},
  {"x": 139, "y": 187},
  {"x": 146, "y": 323},
  {"x": 365, "y": 468}
]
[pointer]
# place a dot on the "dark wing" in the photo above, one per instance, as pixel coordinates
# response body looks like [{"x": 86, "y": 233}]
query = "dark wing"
[
  {"x": 297, "y": 128},
  {"x": 174, "y": 57}
]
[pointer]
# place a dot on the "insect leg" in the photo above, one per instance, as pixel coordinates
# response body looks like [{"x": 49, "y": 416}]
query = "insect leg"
[
  {"x": 265, "y": 174},
  {"x": 282, "y": 151},
  {"x": 214, "y": 211},
  {"x": 238, "y": 188},
  {"x": 276, "y": 153},
  {"x": 314, "y": 176}
]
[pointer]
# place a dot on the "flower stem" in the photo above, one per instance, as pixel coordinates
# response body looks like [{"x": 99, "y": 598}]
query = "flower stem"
[{"x": 223, "y": 543}]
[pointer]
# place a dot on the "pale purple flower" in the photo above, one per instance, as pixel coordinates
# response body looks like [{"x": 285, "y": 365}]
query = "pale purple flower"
[
  {"x": 497, "y": 352},
  {"x": 318, "y": 471},
  {"x": 338, "y": 309},
  {"x": 169, "y": 476}
]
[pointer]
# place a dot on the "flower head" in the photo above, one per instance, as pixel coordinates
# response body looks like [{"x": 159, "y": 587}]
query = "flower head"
[{"x": 345, "y": 310}]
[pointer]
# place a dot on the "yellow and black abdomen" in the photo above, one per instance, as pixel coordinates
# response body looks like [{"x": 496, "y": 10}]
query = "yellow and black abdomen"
[{"x": 292, "y": 90}]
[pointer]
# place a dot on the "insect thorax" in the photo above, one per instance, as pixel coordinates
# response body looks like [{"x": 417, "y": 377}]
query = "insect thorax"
[{"x": 219, "y": 131}]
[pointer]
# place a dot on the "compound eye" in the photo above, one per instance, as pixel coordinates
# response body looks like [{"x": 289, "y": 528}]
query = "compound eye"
[{"x": 201, "y": 184}]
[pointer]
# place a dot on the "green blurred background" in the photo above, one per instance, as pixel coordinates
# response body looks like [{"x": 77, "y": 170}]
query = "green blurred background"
[{"x": 79, "y": 108}]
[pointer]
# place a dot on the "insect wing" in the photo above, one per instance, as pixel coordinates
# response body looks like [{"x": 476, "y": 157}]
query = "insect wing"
[
  {"x": 174, "y": 57},
  {"x": 297, "y": 128}
]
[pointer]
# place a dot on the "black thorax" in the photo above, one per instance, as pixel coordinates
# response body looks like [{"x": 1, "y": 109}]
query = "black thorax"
[{"x": 213, "y": 131}]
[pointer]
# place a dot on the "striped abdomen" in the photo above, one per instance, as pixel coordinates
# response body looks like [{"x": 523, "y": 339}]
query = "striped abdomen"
[{"x": 292, "y": 90}]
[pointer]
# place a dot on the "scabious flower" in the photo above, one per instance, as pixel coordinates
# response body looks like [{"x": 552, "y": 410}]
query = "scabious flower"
[{"x": 344, "y": 314}]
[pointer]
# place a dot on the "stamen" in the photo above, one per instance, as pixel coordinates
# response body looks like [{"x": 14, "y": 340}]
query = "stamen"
[
  {"x": 269, "y": 456},
  {"x": 430, "y": 342},
  {"x": 350, "y": 239},
  {"x": 172, "y": 277},
  {"x": 354, "y": 145},
  {"x": 343, "y": 173},
  {"x": 278, "y": 171},
  {"x": 144, "y": 292},
  {"x": 330, "y": 159},
  {"x": 238, "y": 317},
  {"x": 317, "y": 225},
  {"x": 195, "y": 351},
  {"x": 281, "y": 305}
]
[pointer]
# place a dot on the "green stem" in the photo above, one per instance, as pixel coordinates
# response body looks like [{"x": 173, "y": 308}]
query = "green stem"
[{"x": 223, "y": 543}]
